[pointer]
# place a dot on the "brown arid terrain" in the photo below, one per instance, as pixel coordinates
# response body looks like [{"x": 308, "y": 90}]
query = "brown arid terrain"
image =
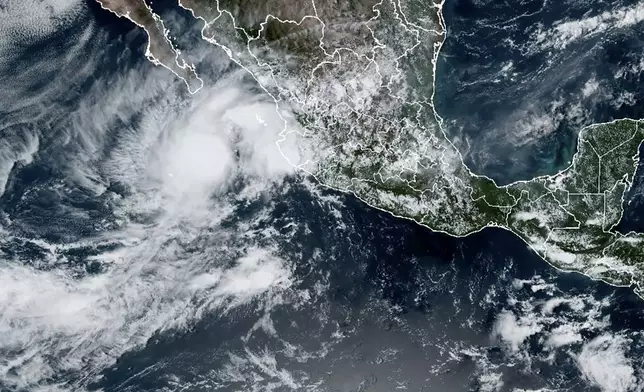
[
  {"x": 359, "y": 79},
  {"x": 160, "y": 49}
]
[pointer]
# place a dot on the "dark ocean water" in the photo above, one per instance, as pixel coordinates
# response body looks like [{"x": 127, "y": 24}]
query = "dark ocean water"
[
  {"x": 519, "y": 101},
  {"x": 402, "y": 306},
  {"x": 378, "y": 303}
]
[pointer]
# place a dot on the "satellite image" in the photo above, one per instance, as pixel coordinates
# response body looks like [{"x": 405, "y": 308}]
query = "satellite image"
[{"x": 321, "y": 195}]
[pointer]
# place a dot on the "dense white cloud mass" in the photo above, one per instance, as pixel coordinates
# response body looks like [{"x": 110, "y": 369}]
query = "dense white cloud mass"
[
  {"x": 570, "y": 332},
  {"x": 179, "y": 162},
  {"x": 567, "y": 32},
  {"x": 514, "y": 331},
  {"x": 603, "y": 362}
]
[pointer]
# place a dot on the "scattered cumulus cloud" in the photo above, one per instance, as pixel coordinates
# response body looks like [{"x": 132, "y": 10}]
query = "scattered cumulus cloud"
[{"x": 567, "y": 32}]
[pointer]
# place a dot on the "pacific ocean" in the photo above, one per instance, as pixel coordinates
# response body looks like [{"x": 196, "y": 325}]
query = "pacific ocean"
[{"x": 273, "y": 284}]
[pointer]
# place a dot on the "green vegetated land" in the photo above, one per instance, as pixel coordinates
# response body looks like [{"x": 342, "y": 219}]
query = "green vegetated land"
[
  {"x": 360, "y": 81},
  {"x": 568, "y": 218}
]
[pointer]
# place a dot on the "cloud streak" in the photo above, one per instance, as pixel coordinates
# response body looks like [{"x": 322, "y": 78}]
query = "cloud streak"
[{"x": 187, "y": 165}]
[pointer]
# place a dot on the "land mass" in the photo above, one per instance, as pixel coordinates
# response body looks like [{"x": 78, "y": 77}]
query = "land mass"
[
  {"x": 160, "y": 50},
  {"x": 359, "y": 78}
]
